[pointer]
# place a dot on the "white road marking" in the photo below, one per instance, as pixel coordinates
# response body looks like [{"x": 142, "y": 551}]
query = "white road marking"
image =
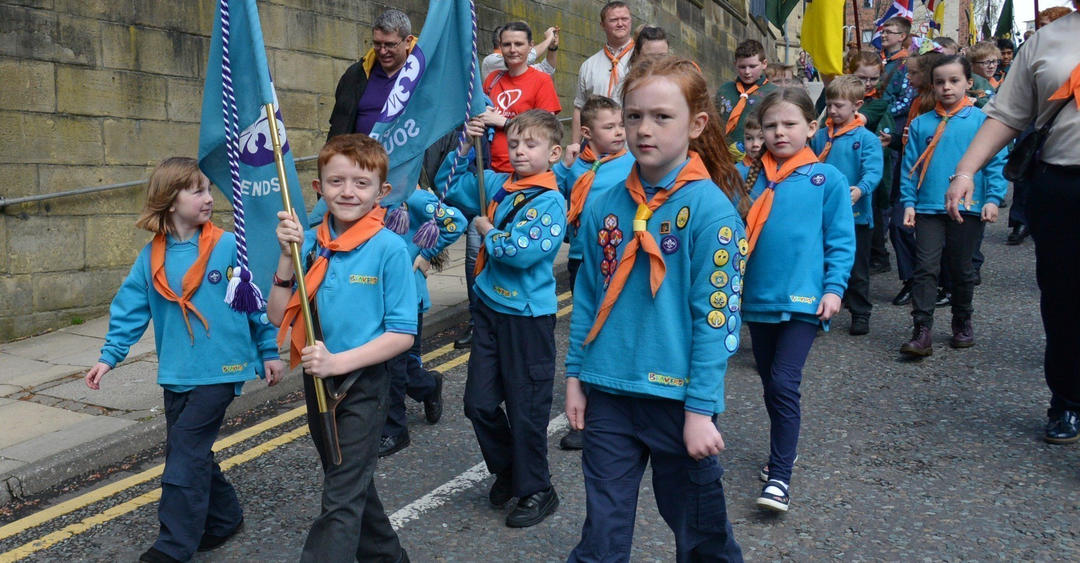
[{"x": 465, "y": 480}]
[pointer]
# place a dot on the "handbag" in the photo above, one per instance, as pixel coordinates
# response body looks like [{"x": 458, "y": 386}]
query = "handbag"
[{"x": 1025, "y": 154}]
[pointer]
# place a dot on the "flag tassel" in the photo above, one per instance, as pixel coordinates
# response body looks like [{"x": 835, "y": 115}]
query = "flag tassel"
[
  {"x": 427, "y": 235},
  {"x": 397, "y": 220},
  {"x": 242, "y": 294}
]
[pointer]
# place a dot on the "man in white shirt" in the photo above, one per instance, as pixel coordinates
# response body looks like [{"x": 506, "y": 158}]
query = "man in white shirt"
[{"x": 603, "y": 73}]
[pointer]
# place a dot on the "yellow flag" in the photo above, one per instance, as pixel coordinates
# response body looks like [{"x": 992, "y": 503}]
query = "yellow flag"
[
  {"x": 823, "y": 35},
  {"x": 973, "y": 32},
  {"x": 939, "y": 18}
]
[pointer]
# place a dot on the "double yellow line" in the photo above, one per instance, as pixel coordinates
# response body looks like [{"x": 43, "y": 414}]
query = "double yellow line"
[{"x": 41, "y": 517}]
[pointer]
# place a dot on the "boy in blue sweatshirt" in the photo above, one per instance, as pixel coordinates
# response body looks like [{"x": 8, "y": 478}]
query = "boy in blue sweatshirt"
[
  {"x": 603, "y": 163},
  {"x": 936, "y": 142},
  {"x": 352, "y": 265},
  {"x": 522, "y": 219},
  {"x": 847, "y": 144},
  {"x": 179, "y": 281},
  {"x": 407, "y": 373}
]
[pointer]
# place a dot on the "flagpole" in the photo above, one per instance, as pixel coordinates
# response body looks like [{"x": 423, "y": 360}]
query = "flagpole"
[
  {"x": 301, "y": 288},
  {"x": 858, "y": 28},
  {"x": 481, "y": 190}
]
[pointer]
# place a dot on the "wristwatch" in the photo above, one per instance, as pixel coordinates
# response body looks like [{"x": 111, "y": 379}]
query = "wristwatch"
[{"x": 287, "y": 284}]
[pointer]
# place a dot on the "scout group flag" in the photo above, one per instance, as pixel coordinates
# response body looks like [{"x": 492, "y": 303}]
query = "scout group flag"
[{"x": 235, "y": 150}]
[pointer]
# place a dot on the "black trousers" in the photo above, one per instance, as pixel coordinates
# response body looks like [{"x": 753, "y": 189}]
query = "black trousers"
[
  {"x": 935, "y": 233},
  {"x": 407, "y": 377},
  {"x": 512, "y": 362},
  {"x": 1053, "y": 206},
  {"x": 352, "y": 525},
  {"x": 858, "y": 289}
]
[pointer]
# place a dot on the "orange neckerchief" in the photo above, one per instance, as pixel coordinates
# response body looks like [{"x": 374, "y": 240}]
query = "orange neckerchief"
[
  {"x": 208, "y": 239},
  {"x": 775, "y": 173},
  {"x": 544, "y": 180},
  {"x": 995, "y": 82},
  {"x": 744, "y": 94},
  {"x": 912, "y": 113},
  {"x": 368, "y": 226},
  {"x": 580, "y": 192},
  {"x": 748, "y": 160},
  {"x": 928, "y": 152},
  {"x": 858, "y": 121},
  {"x": 613, "y": 78},
  {"x": 1071, "y": 88},
  {"x": 873, "y": 93},
  {"x": 643, "y": 239},
  {"x": 901, "y": 54}
]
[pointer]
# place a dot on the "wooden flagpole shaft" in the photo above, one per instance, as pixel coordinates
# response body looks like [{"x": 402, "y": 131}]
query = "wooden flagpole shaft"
[
  {"x": 858, "y": 28},
  {"x": 482, "y": 191},
  {"x": 298, "y": 267}
]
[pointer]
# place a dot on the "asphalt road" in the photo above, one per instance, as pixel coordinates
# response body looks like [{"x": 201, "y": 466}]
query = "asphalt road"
[{"x": 936, "y": 459}]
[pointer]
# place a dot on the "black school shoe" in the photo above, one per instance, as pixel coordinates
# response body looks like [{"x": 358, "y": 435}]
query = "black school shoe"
[
  {"x": 904, "y": 296},
  {"x": 944, "y": 298},
  {"x": 433, "y": 404},
  {"x": 574, "y": 440},
  {"x": 154, "y": 556},
  {"x": 390, "y": 445},
  {"x": 210, "y": 541},
  {"x": 502, "y": 490},
  {"x": 465, "y": 340},
  {"x": 860, "y": 325},
  {"x": 1063, "y": 427},
  {"x": 533, "y": 509}
]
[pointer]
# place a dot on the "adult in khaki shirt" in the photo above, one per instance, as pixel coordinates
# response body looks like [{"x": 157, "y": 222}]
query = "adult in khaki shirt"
[
  {"x": 603, "y": 73},
  {"x": 1044, "y": 77}
]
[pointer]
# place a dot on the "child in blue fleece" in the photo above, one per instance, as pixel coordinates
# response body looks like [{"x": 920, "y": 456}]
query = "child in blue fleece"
[
  {"x": 206, "y": 351},
  {"x": 655, "y": 319},
  {"x": 936, "y": 142},
  {"x": 848, "y": 145},
  {"x": 801, "y": 248}
]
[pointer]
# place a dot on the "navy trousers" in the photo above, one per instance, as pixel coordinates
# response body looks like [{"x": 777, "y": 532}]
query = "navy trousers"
[
  {"x": 512, "y": 362},
  {"x": 352, "y": 525},
  {"x": 858, "y": 291},
  {"x": 622, "y": 434},
  {"x": 780, "y": 350},
  {"x": 195, "y": 497},
  {"x": 407, "y": 377}
]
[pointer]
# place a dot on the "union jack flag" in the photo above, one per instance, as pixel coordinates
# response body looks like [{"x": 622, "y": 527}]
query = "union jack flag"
[{"x": 902, "y": 8}]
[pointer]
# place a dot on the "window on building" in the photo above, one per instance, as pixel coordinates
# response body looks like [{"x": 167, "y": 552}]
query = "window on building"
[
  {"x": 867, "y": 3},
  {"x": 867, "y": 36}
]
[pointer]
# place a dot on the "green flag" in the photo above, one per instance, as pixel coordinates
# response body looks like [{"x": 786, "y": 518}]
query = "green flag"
[
  {"x": 777, "y": 11},
  {"x": 1005, "y": 22}
]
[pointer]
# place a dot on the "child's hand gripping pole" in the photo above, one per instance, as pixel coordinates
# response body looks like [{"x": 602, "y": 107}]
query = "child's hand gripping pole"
[{"x": 326, "y": 412}]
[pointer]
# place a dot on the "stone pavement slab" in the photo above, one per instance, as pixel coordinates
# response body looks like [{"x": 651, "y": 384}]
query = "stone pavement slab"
[
  {"x": 27, "y": 372},
  {"x": 129, "y": 387},
  {"x": 55, "y": 441},
  {"x": 23, "y": 420}
]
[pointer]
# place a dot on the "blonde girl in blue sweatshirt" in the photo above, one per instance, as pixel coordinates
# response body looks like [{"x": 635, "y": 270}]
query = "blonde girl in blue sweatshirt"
[
  {"x": 655, "y": 319},
  {"x": 206, "y": 351},
  {"x": 936, "y": 142},
  {"x": 801, "y": 234}
]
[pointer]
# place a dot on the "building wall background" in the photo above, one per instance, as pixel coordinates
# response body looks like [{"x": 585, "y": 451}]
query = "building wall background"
[{"x": 95, "y": 92}]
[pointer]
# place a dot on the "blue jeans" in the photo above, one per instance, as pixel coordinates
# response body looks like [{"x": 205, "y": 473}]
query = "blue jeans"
[
  {"x": 622, "y": 434},
  {"x": 195, "y": 497},
  {"x": 780, "y": 350}
]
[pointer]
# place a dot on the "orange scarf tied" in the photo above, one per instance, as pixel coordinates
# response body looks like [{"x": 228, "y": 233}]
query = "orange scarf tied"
[
  {"x": 368, "y": 226},
  {"x": 858, "y": 121},
  {"x": 580, "y": 192},
  {"x": 544, "y": 180},
  {"x": 1070, "y": 89},
  {"x": 693, "y": 170},
  {"x": 208, "y": 239},
  {"x": 613, "y": 78},
  {"x": 901, "y": 54},
  {"x": 744, "y": 94},
  {"x": 872, "y": 94},
  {"x": 748, "y": 160},
  {"x": 774, "y": 173},
  {"x": 928, "y": 152}
]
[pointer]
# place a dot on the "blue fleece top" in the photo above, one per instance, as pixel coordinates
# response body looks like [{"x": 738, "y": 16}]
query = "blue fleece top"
[
  {"x": 423, "y": 206},
  {"x": 607, "y": 176},
  {"x": 519, "y": 278},
  {"x": 676, "y": 345},
  {"x": 858, "y": 155},
  {"x": 366, "y": 292},
  {"x": 990, "y": 184},
  {"x": 806, "y": 248},
  {"x": 231, "y": 352}
]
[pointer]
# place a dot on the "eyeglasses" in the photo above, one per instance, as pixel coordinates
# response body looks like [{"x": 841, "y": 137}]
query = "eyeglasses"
[
  {"x": 868, "y": 78},
  {"x": 891, "y": 32},
  {"x": 989, "y": 62},
  {"x": 379, "y": 46}
]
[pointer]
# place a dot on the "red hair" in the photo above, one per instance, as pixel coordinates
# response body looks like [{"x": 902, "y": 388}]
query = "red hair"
[{"x": 710, "y": 145}]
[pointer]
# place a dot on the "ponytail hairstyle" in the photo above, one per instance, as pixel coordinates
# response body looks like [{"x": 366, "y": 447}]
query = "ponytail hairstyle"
[
  {"x": 172, "y": 175},
  {"x": 923, "y": 63},
  {"x": 795, "y": 96},
  {"x": 710, "y": 145}
]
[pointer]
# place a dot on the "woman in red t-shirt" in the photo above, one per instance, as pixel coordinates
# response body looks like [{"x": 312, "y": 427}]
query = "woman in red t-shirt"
[{"x": 513, "y": 91}]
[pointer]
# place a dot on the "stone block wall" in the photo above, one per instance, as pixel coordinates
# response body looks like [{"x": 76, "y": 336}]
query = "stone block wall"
[{"x": 96, "y": 92}]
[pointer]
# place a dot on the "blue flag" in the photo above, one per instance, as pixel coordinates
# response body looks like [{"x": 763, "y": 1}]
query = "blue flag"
[
  {"x": 235, "y": 150},
  {"x": 438, "y": 89}
]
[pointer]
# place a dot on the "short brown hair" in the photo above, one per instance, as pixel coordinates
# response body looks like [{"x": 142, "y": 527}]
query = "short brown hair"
[
  {"x": 594, "y": 105},
  {"x": 1055, "y": 12},
  {"x": 750, "y": 48},
  {"x": 901, "y": 22},
  {"x": 752, "y": 121},
  {"x": 611, "y": 6},
  {"x": 537, "y": 120},
  {"x": 863, "y": 58},
  {"x": 845, "y": 87},
  {"x": 366, "y": 152},
  {"x": 983, "y": 50},
  {"x": 166, "y": 181}
]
